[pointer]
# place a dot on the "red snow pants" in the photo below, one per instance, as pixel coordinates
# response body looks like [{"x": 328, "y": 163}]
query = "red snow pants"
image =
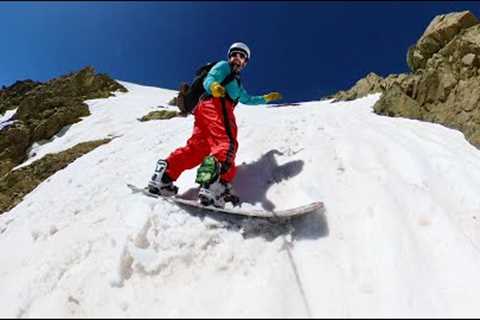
[{"x": 214, "y": 133}]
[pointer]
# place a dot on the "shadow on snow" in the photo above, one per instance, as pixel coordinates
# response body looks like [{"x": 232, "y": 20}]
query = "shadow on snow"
[
  {"x": 311, "y": 226},
  {"x": 251, "y": 184}
]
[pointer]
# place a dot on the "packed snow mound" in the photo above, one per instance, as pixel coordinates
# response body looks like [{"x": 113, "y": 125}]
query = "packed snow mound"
[{"x": 400, "y": 236}]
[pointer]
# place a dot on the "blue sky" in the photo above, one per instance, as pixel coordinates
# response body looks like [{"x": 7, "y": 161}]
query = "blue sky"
[{"x": 305, "y": 50}]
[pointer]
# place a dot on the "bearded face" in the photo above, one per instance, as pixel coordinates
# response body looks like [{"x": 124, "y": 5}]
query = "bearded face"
[{"x": 238, "y": 61}]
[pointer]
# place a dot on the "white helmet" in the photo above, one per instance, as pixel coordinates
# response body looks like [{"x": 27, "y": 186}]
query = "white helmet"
[{"x": 239, "y": 47}]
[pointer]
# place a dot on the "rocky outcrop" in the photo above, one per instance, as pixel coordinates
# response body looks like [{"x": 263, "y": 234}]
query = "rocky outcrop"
[
  {"x": 10, "y": 97},
  {"x": 444, "y": 86},
  {"x": 18, "y": 183},
  {"x": 43, "y": 109},
  {"x": 160, "y": 115},
  {"x": 14, "y": 141},
  {"x": 370, "y": 84},
  {"x": 441, "y": 30},
  {"x": 395, "y": 102}
]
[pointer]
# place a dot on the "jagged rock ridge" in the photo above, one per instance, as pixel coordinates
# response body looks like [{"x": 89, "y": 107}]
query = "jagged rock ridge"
[
  {"x": 43, "y": 109},
  {"x": 444, "y": 83}
]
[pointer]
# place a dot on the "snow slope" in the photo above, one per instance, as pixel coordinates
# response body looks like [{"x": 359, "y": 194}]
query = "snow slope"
[
  {"x": 5, "y": 118},
  {"x": 400, "y": 236}
]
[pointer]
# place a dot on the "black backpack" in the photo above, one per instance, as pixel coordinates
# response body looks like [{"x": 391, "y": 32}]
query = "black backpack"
[{"x": 188, "y": 96}]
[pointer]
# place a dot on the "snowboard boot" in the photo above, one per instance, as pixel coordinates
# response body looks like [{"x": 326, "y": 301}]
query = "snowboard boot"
[
  {"x": 229, "y": 195},
  {"x": 218, "y": 194},
  {"x": 213, "y": 191},
  {"x": 160, "y": 183},
  {"x": 212, "y": 194}
]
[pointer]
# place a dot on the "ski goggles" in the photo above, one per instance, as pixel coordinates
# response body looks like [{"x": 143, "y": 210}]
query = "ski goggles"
[{"x": 242, "y": 55}]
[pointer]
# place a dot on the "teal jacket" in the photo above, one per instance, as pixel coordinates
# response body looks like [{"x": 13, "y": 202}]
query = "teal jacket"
[{"x": 233, "y": 89}]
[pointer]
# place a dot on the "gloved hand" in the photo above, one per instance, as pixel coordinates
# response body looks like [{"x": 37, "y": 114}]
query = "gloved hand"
[
  {"x": 217, "y": 90},
  {"x": 272, "y": 96}
]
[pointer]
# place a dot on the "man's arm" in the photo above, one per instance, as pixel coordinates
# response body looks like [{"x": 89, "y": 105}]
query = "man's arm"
[
  {"x": 245, "y": 98},
  {"x": 216, "y": 74}
]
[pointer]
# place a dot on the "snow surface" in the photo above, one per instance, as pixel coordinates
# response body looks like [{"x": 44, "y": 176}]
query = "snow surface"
[
  {"x": 5, "y": 118},
  {"x": 400, "y": 236},
  {"x": 7, "y": 115}
]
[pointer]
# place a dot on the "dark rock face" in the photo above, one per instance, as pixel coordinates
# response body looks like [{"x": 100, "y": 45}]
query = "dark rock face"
[
  {"x": 444, "y": 86},
  {"x": 10, "y": 97},
  {"x": 43, "y": 109},
  {"x": 14, "y": 141}
]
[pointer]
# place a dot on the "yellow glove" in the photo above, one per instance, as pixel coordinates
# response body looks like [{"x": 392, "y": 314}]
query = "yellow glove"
[
  {"x": 217, "y": 90},
  {"x": 272, "y": 96}
]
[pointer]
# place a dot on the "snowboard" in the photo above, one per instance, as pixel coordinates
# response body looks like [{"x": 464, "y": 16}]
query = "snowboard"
[{"x": 285, "y": 213}]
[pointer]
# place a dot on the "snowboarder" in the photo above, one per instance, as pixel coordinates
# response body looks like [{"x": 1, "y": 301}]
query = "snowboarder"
[{"x": 213, "y": 143}]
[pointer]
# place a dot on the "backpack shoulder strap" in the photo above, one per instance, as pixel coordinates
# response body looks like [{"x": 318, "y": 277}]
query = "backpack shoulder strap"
[{"x": 232, "y": 76}]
